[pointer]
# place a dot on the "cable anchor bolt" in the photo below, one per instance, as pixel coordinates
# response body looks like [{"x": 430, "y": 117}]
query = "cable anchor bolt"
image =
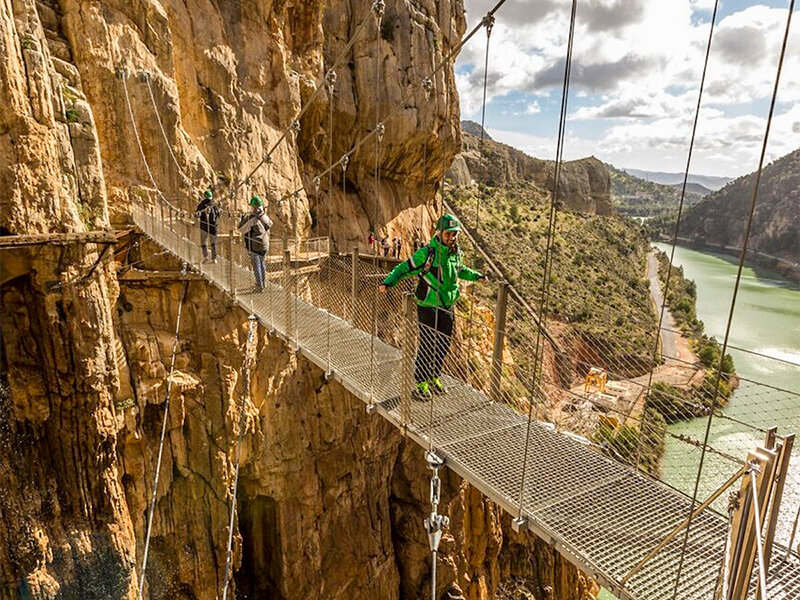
[
  {"x": 330, "y": 79},
  {"x": 144, "y": 76},
  {"x": 427, "y": 85},
  {"x": 381, "y": 129},
  {"x": 317, "y": 183},
  {"x": 378, "y": 9},
  {"x": 295, "y": 127},
  {"x": 343, "y": 161},
  {"x": 121, "y": 72},
  {"x": 488, "y": 22}
]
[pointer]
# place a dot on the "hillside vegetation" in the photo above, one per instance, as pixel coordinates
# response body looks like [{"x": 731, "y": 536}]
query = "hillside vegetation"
[
  {"x": 597, "y": 284},
  {"x": 635, "y": 197},
  {"x": 720, "y": 219}
]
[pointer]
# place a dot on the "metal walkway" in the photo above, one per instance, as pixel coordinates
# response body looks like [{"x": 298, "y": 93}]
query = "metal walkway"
[{"x": 600, "y": 515}]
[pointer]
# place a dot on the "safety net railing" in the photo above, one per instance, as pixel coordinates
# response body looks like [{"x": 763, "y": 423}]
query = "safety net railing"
[{"x": 518, "y": 418}]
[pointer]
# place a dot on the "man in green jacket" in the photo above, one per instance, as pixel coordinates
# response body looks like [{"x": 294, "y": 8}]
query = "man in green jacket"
[{"x": 438, "y": 266}]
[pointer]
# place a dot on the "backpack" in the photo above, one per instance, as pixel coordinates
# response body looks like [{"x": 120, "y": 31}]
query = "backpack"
[{"x": 255, "y": 238}]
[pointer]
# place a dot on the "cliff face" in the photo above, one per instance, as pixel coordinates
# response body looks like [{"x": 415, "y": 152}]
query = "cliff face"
[
  {"x": 585, "y": 183},
  {"x": 330, "y": 501}
]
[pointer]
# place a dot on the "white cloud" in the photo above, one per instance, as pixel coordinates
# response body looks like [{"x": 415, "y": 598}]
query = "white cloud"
[
  {"x": 533, "y": 108},
  {"x": 636, "y": 72}
]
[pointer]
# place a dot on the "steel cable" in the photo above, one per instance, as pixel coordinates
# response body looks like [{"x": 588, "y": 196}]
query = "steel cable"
[
  {"x": 161, "y": 443},
  {"x": 680, "y": 213},
  {"x": 736, "y": 285},
  {"x": 538, "y": 349},
  {"x": 248, "y": 361}
]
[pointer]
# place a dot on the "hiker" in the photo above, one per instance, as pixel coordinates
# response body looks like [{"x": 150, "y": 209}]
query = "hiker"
[
  {"x": 398, "y": 246},
  {"x": 417, "y": 243},
  {"x": 385, "y": 245},
  {"x": 371, "y": 241},
  {"x": 208, "y": 212},
  {"x": 438, "y": 265},
  {"x": 255, "y": 225}
]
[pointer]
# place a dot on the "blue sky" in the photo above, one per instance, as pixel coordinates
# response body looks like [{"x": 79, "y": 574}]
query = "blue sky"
[{"x": 635, "y": 78}]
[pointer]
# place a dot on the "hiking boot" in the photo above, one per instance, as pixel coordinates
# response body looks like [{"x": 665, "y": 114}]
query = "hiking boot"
[
  {"x": 437, "y": 387},
  {"x": 421, "y": 392}
]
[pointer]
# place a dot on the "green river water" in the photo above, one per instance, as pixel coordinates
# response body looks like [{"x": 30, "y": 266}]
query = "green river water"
[{"x": 767, "y": 321}]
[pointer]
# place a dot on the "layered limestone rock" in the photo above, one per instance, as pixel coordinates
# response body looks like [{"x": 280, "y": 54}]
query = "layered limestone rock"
[
  {"x": 585, "y": 184},
  {"x": 330, "y": 500}
]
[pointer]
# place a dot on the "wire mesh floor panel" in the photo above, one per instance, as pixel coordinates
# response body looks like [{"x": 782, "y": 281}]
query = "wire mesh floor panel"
[{"x": 600, "y": 514}]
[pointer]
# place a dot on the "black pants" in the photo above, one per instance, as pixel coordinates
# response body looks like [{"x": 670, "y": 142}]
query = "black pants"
[{"x": 435, "y": 332}]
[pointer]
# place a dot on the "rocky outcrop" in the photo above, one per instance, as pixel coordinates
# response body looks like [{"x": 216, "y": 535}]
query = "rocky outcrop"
[
  {"x": 585, "y": 184},
  {"x": 330, "y": 500}
]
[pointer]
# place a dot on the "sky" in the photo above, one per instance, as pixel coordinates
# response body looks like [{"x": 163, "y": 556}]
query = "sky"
[{"x": 635, "y": 79}]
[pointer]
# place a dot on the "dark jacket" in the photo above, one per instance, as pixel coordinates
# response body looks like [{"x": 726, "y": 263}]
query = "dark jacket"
[
  {"x": 255, "y": 225},
  {"x": 208, "y": 212},
  {"x": 438, "y": 286}
]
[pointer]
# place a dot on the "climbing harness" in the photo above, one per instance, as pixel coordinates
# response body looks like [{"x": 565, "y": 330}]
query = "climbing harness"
[
  {"x": 248, "y": 360},
  {"x": 435, "y": 523},
  {"x": 142, "y": 572}
]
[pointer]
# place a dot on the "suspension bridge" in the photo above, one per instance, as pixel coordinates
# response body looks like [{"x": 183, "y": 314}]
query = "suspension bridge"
[
  {"x": 506, "y": 427},
  {"x": 603, "y": 516}
]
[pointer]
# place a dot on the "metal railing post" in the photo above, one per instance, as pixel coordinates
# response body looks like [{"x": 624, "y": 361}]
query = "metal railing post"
[
  {"x": 188, "y": 253},
  {"x": 499, "y": 340},
  {"x": 354, "y": 283},
  {"x": 406, "y": 383},
  {"x": 231, "y": 276},
  {"x": 287, "y": 295}
]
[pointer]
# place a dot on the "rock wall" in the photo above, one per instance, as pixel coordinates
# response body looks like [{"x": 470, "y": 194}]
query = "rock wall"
[{"x": 330, "y": 501}]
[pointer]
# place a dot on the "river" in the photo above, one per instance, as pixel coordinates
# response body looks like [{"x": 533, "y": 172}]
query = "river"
[{"x": 767, "y": 321}]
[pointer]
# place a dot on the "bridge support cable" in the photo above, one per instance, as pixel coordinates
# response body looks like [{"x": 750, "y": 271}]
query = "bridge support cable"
[
  {"x": 378, "y": 9},
  {"x": 762, "y": 569},
  {"x": 122, "y": 73},
  {"x": 665, "y": 293},
  {"x": 146, "y": 77},
  {"x": 154, "y": 495},
  {"x": 535, "y": 390},
  {"x": 739, "y": 269},
  {"x": 435, "y": 523},
  {"x": 330, "y": 82},
  {"x": 248, "y": 362},
  {"x": 489, "y": 21},
  {"x": 744, "y": 470},
  {"x": 721, "y": 589}
]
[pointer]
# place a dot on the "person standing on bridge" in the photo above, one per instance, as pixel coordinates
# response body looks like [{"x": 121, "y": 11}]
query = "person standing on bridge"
[
  {"x": 255, "y": 225},
  {"x": 208, "y": 212},
  {"x": 438, "y": 266}
]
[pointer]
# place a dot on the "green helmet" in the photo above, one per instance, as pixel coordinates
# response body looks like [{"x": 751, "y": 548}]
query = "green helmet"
[
  {"x": 256, "y": 201},
  {"x": 448, "y": 223},
  {"x": 208, "y": 194}
]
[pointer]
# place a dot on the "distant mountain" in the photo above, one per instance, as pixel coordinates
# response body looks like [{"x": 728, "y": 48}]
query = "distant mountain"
[
  {"x": 692, "y": 188},
  {"x": 636, "y": 197},
  {"x": 720, "y": 219},
  {"x": 709, "y": 181},
  {"x": 475, "y": 129}
]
